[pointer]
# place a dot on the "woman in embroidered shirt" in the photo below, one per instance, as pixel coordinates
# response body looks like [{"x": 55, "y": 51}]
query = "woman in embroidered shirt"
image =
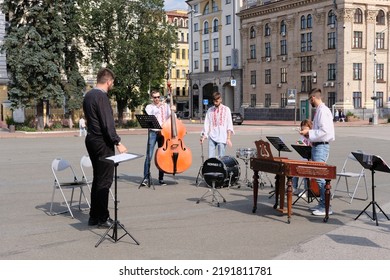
[{"x": 218, "y": 127}]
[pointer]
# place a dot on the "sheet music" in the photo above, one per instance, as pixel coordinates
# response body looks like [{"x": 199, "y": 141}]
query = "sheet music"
[{"x": 123, "y": 157}]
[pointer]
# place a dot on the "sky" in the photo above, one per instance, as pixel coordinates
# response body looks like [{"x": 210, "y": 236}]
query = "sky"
[{"x": 175, "y": 5}]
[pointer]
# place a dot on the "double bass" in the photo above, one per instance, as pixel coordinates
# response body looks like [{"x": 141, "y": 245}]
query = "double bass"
[{"x": 173, "y": 156}]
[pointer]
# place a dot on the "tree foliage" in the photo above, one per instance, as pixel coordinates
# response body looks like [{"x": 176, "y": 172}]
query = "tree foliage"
[{"x": 132, "y": 38}]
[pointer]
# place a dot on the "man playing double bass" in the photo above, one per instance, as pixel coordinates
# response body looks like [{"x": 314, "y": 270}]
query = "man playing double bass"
[{"x": 162, "y": 111}]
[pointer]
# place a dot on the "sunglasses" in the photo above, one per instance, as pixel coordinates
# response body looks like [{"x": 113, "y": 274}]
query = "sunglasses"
[{"x": 154, "y": 97}]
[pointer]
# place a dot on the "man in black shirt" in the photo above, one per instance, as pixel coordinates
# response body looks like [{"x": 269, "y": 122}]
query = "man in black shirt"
[{"x": 100, "y": 142}]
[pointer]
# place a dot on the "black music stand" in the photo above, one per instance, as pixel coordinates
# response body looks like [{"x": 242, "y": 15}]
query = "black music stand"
[
  {"x": 374, "y": 163},
  {"x": 116, "y": 160},
  {"x": 305, "y": 152},
  {"x": 150, "y": 122},
  {"x": 279, "y": 146}
]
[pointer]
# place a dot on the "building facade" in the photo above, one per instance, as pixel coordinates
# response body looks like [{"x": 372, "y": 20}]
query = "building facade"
[
  {"x": 215, "y": 62},
  {"x": 177, "y": 78},
  {"x": 290, "y": 47}
]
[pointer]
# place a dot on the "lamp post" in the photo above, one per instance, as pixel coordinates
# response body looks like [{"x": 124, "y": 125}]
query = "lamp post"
[{"x": 374, "y": 97}]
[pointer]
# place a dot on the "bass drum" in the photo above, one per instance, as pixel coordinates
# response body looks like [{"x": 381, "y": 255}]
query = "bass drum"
[{"x": 226, "y": 165}]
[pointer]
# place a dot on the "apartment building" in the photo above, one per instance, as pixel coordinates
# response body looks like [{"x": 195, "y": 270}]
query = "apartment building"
[
  {"x": 290, "y": 47},
  {"x": 177, "y": 77},
  {"x": 215, "y": 63}
]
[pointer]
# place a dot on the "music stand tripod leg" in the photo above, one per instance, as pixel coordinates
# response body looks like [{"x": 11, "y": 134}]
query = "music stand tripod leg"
[{"x": 115, "y": 224}]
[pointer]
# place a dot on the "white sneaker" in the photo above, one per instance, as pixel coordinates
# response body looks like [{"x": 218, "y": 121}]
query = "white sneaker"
[
  {"x": 313, "y": 208},
  {"x": 144, "y": 182},
  {"x": 321, "y": 211}
]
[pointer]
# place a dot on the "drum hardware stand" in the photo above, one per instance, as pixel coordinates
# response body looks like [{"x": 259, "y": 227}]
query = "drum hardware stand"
[
  {"x": 114, "y": 227},
  {"x": 197, "y": 182},
  {"x": 247, "y": 182},
  {"x": 150, "y": 122},
  {"x": 373, "y": 163},
  {"x": 214, "y": 177}
]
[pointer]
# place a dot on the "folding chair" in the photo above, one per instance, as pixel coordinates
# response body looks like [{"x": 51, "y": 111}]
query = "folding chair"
[
  {"x": 351, "y": 169},
  {"x": 65, "y": 178},
  {"x": 85, "y": 163}
]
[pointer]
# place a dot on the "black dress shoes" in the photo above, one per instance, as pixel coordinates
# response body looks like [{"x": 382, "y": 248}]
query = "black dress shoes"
[
  {"x": 106, "y": 224},
  {"x": 93, "y": 222}
]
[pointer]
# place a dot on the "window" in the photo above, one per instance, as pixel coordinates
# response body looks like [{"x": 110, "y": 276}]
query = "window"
[
  {"x": 252, "y": 51},
  {"x": 177, "y": 73},
  {"x": 357, "y": 99},
  {"x": 183, "y": 74},
  {"x": 215, "y": 25},
  {"x": 206, "y": 10},
  {"x": 196, "y": 27},
  {"x": 228, "y": 60},
  {"x": 196, "y": 8},
  {"x": 183, "y": 91},
  {"x": 253, "y": 77},
  {"x": 228, "y": 19},
  {"x": 206, "y": 27},
  {"x": 309, "y": 41},
  {"x": 309, "y": 64},
  {"x": 252, "y": 33},
  {"x": 283, "y": 100},
  {"x": 309, "y": 21},
  {"x": 357, "y": 71},
  {"x": 206, "y": 64},
  {"x": 379, "y": 101},
  {"x": 267, "y": 102},
  {"x": 303, "y": 64},
  {"x": 228, "y": 1},
  {"x": 267, "y": 30},
  {"x": 206, "y": 46},
  {"x": 303, "y": 42},
  {"x": 379, "y": 72},
  {"x": 357, "y": 39},
  {"x": 306, "y": 83},
  {"x": 331, "y": 99},
  {"x": 331, "y": 40},
  {"x": 283, "y": 75},
  {"x": 183, "y": 54},
  {"x": 283, "y": 47},
  {"x": 196, "y": 46},
  {"x": 331, "y": 18},
  {"x": 358, "y": 16},
  {"x": 178, "y": 53},
  {"x": 267, "y": 76},
  {"x": 215, "y": 45},
  {"x": 214, "y": 6},
  {"x": 283, "y": 28},
  {"x": 380, "y": 18},
  {"x": 253, "y": 100},
  {"x": 268, "y": 49},
  {"x": 196, "y": 64},
  {"x": 228, "y": 40},
  {"x": 216, "y": 64},
  {"x": 303, "y": 22},
  {"x": 331, "y": 72},
  {"x": 380, "y": 40}
]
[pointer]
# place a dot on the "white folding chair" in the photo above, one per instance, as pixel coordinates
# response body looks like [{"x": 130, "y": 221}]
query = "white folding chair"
[
  {"x": 351, "y": 169},
  {"x": 85, "y": 163},
  {"x": 65, "y": 178}
]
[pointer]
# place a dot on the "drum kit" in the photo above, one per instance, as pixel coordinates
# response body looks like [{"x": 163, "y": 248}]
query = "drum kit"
[{"x": 230, "y": 168}]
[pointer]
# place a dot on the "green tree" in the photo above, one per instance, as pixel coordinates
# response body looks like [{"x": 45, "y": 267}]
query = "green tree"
[
  {"x": 132, "y": 38},
  {"x": 34, "y": 47}
]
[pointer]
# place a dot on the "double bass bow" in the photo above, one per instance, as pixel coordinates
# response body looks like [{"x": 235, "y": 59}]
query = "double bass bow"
[{"x": 173, "y": 156}]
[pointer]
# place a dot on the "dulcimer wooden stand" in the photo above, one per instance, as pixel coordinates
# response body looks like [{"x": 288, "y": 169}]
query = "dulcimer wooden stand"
[
  {"x": 279, "y": 146},
  {"x": 373, "y": 163},
  {"x": 150, "y": 122},
  {"x": 288, "y": 168},
  {"x": 115, "y": 160}
]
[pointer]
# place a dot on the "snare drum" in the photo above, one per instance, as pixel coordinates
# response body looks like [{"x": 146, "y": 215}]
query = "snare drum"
[
  {"x": 246, "y": 153},
  {"x": 226, "y": 165}
]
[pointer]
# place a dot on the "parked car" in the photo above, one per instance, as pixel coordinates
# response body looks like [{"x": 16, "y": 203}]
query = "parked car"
[{"x": 237, "y": 118}]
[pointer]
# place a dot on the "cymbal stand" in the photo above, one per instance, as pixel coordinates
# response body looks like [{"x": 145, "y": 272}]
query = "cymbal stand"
[
  {"x": 246, "y": 182},
  {"x": 197, "y": 182}
]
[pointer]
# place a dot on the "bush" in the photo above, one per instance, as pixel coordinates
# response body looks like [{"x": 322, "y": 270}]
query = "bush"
[
  {"x": 10, "y": 121},
  {"x": 130, "y": 124}
]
